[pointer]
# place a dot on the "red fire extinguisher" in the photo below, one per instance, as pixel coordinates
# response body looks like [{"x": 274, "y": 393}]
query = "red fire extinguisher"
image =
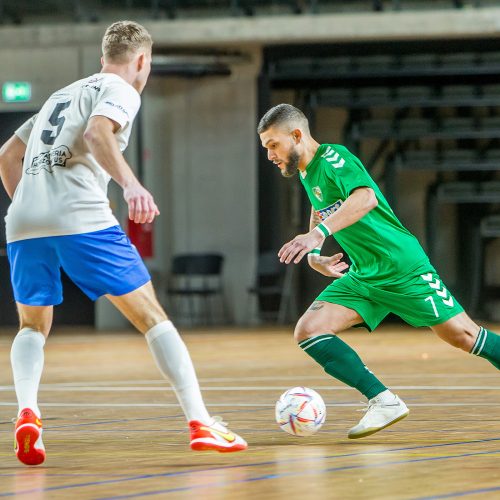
[{"x": 141, "y": 236}]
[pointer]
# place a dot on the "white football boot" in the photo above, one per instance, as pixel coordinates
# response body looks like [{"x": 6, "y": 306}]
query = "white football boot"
[{"x": 382, "y": 411}]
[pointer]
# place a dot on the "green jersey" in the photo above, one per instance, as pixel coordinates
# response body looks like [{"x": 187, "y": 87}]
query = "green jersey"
[{"x": 381, "y": 249}]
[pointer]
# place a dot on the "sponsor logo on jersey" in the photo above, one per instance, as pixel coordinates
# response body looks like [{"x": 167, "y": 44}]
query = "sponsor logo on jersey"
[
  {"x": 317, "y": 192},
  {"x": 117, "y": 106},
  {"x": 331, "y": 156},
  {"x": 325, "y": 212},
  {"x": 47, "y": 160},
  {"x": 94, "y": 83}
]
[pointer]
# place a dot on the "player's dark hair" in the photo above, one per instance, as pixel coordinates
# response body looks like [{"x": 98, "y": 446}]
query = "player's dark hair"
[{"x": 283, "y": 114}]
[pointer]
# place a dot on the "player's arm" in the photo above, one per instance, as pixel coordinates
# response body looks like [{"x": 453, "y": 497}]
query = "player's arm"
[
  {"x": 314, "y": 220},
  {"x": 11, "y": 163},
  {"x": 101, "y": 141},
  {"x": 331, "y": 266},
  {"x": 361, "y": 201}
]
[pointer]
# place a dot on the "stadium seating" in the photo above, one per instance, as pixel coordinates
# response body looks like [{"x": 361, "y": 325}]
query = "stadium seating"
[{"x": 24, "y": 11}]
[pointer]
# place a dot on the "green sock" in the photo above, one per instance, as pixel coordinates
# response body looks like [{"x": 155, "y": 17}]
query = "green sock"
[
  {"x": 487, "y": 346},
  {"x": 342, "y": 363}
]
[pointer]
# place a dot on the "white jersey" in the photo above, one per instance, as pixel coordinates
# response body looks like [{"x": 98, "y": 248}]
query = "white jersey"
[{"x": 63, "y": 190}]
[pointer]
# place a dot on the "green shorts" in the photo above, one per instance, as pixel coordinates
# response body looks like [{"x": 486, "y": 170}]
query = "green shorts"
[{"x": 420, "y": 298}]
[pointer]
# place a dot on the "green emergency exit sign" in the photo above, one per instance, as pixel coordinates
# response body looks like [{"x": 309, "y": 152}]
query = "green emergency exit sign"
[{"x": 16, "y": 91}]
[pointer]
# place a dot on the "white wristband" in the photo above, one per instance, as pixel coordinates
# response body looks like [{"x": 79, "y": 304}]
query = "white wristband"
[
  {"x": 315, "y": 251},
  {"x": 323, "y": 230}
]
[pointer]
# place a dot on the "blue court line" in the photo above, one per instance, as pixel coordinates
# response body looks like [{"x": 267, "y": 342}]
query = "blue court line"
[
  {"x": 460, "y": 493},
  {"x": 127, "y": 420},
  {"x": 243, "y": 431},
  {"x": 288, "y": 474},
  {"x": 138, "y": 419},
  {"x": 42, "y": 472},
  {"x": 256, "y": 464},
  {"x": 104, "y": 422}
]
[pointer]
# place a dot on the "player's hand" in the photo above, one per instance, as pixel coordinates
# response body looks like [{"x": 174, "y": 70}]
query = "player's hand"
[
  {"x": 296, "y": 249},
  {"x": 141, "y": 205},
  {"x": 332, "y": 267}
]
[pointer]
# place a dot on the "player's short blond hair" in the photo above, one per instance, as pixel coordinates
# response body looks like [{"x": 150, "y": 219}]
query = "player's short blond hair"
[{"x": 123, "y": 39}]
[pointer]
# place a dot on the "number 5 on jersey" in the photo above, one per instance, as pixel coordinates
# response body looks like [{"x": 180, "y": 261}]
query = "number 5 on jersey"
[{"x": 56, "y": 121}]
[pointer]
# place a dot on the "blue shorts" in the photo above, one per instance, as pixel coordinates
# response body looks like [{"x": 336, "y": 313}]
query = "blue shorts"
[{"x": 100, "y": 263}]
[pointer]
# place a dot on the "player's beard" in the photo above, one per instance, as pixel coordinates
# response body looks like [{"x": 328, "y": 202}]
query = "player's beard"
[{"x": 292, "y": 165}]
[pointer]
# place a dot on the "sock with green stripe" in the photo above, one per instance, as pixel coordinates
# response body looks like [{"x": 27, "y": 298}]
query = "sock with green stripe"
[
  {"x": 487, "y": 346},
  {"x": 341, "y": 362}
]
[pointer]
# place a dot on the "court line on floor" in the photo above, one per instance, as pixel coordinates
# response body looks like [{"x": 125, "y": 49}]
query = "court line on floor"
[
  {"x": 460, "y": 493},
  {"x": 298, "y": 378},
  {"x": 255, "y": 464},
  {"x": 180, "y": 416},
  {"x": 293, "y": 474},
  {"x": 232, "y": 405},
  {"x": 322, "y": 377},
  {"x": 9, "y": 388}
]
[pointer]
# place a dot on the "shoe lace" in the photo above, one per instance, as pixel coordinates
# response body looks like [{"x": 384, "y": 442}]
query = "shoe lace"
[
  {"x": 218, "y": 420},
  {"x": 368, "y": 406}
]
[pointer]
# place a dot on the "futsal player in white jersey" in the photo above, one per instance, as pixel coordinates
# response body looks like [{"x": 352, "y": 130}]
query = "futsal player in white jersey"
[{"x": 60, "y": 218}]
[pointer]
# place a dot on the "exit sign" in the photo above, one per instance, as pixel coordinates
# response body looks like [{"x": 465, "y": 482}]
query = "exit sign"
[{"x": 16, "y": 91}]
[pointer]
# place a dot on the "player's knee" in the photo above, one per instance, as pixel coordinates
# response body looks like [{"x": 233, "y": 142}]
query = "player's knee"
[
  {"x": 41, "y": 323},
  {"x": 147, "y": 316},
  {"x": 150, "y": 319},
  {"x": 37, "y": 329},
  {"x": 309, "y": 327}
]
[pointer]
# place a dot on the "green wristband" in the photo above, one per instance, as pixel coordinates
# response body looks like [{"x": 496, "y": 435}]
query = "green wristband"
[
  {"x": 323, "y": 230},
  {"x": 315, "y": 251}
]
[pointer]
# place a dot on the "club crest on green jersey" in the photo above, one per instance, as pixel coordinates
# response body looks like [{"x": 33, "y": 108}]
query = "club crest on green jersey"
[{"x": 317, "y": 192}]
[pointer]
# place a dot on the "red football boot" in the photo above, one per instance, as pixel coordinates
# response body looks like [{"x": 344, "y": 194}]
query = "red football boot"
[
  {"x": 215, "y": 437},
  {"x": 28, "y": 438}
]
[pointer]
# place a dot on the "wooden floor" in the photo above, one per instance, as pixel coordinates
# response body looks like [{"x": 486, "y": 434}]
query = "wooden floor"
[{"x": 113, "y": 428}]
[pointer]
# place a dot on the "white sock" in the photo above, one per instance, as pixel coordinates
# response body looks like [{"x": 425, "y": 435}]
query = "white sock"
[
  {"x": 26, "y": 357},
  {"x": 173, "y": 360}
]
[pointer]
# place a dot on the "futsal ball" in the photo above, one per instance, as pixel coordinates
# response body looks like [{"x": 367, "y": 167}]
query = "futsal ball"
[{"x": 300, "y": 411}]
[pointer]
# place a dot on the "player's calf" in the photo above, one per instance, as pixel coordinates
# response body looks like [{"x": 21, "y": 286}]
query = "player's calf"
[
  {"x": 463, "y": 333},
  {"x": 487, "y": 346}
]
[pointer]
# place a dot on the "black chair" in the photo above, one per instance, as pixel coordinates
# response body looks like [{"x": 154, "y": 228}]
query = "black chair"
[
  {"x": 272, "y": 288},
  {"x": 194, "y": 280}
]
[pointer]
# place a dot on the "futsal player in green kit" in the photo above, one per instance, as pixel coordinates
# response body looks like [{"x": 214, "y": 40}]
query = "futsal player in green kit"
[{"x": 390, "y": 272}]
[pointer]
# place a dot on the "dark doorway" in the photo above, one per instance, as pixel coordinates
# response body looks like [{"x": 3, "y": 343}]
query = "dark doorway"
[{"x": 77, "y": 309}]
